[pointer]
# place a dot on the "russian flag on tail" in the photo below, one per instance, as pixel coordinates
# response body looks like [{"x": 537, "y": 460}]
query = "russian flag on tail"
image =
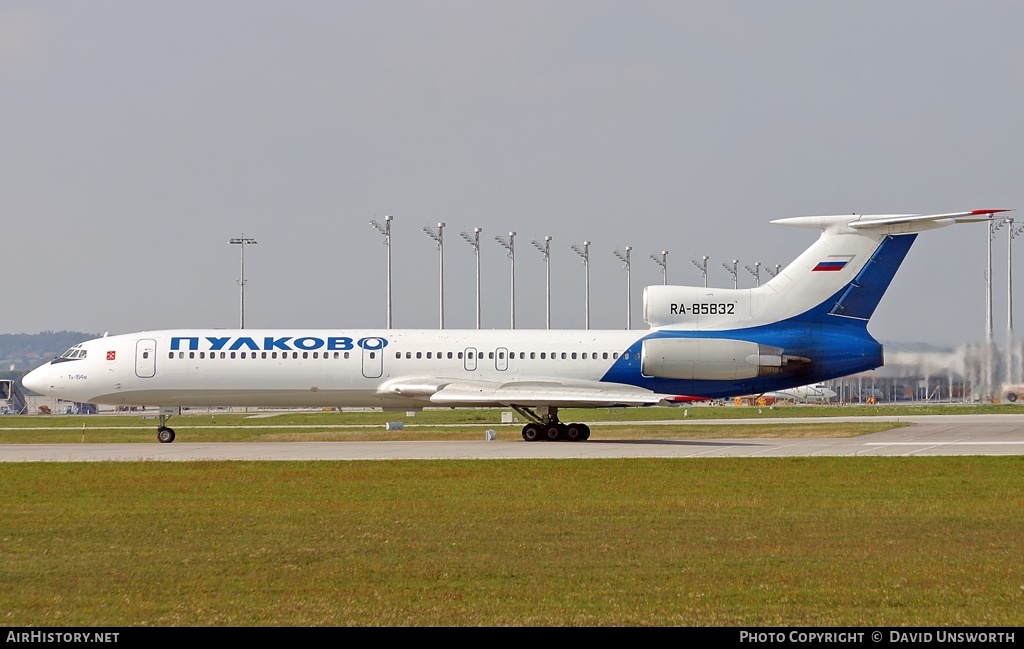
[{"x": 832, "y": 264}]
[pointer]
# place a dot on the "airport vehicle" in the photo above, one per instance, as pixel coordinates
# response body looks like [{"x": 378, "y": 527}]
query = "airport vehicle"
[
  {"x": 1012, "y": 392},
  {"x": 807, "y": 325}
]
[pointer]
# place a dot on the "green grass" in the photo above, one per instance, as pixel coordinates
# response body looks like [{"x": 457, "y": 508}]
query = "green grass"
[{"x": 753, "y": 541}]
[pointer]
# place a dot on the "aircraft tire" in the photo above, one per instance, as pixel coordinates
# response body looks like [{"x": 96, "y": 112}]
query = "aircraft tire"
[
  {"x": 553, "y": 433},
  {"x": 531, "y": 432},
  {"x": 574, "y": 433},
  {"x": 586, "y": 432},
  {"x": 165, "y": 435}
]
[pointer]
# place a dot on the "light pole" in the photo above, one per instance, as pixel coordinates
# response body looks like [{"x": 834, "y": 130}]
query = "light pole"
[
  {"x": 989, "y": 379},
  {"x": 437, "y": 234},
  {"x": 756, "y": 272},
  {"x": 546, "y": 251},
  {"x": 624, "y": 258},
  {"x": 510, "y": 247},
  {"x": 242, "y": 242},
  {"x": 474, "y": 240},
  {"x": 703, "y": 268},
  {"x": 386, "y": 231},
  {"x": 1012, "y": 376},
  {"x": 773, "y": 273},
  {"x": 732, "y": 271},
  {"x": 663, "y": 262},
  {"x": 585, "y": 253}
]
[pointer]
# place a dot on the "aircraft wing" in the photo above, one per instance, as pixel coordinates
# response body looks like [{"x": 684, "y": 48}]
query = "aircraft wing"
[{"x": 578, "y": 394}]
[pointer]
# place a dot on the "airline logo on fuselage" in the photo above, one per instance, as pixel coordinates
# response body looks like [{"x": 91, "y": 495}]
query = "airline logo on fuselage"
[{"x": 275, "y": 343}]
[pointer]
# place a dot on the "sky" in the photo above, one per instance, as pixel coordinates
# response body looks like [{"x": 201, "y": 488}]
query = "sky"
[{"x": 138, "y": 138}]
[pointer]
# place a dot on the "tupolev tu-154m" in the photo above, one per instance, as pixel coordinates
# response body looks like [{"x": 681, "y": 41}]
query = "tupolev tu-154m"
[{"x": 807, "y": 325}]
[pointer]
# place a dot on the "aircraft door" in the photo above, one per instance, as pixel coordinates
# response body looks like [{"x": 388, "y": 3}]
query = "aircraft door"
[
  {"x": 145, "y": 358},
  {"x": 470, "y": 359},
  {"x": 373, "y": 357},
  {"x": 501, "y": 359}
]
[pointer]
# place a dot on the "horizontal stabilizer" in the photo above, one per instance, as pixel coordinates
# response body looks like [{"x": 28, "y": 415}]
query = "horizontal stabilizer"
[{"x": 870, "y": 223}]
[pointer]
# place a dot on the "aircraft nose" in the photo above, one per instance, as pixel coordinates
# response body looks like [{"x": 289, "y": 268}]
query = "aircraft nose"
[{"x": 38, "y": 380}]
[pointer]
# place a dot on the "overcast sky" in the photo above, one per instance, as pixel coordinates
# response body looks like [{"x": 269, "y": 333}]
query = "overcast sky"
[{"x": 137, "y": 138}]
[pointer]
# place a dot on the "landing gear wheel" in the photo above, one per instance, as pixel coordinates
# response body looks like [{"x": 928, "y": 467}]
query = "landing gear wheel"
[
  {"x": 1011, "y": 397},
  {"x": 165, "y": 435},
  {"x": 531, "y": 432},
  {"x": 553, "y": 432},
  {"x": 586, "y": 432},
  {"x": 574, "y": 432}
]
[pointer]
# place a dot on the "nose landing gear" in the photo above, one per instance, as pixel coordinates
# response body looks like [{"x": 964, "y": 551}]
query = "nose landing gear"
[{"x": 163, "y": 432}]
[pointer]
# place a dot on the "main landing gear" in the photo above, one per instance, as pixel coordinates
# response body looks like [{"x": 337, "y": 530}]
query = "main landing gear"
[
  {"x": 164, "y": 433},
  {"x": 546, "y": 427}
]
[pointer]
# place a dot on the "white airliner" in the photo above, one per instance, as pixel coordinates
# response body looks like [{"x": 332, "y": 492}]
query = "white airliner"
[
  {"x": 807, "y": 325},
  {"x": 816, "y": 393}
]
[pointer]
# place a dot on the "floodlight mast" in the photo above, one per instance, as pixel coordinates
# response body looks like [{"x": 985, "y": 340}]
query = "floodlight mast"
[
  {"x": 703, "y": 268},
  {"x": 510, "y": 247},
  {"x": 663, "y": 262},
  {"x": 624, "y": 258},
  {"x": 732, "y": 271},
  {"x": 585, "y": 253},
  {"x": 474, "y": 240},
  {"x": 386, "y": 231},
  {"x": 437, "y": 234},
  {"x": 1012, "y": 374},
  {"x": 756, "y": 272},
  {"x": 242, "y": 242},
  {"x": 546, "y": 251}
]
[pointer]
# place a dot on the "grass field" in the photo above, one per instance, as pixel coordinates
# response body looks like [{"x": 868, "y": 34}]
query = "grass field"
[
  {"x": 724, "y": 542},
  {"x": 786, "y": 541}
]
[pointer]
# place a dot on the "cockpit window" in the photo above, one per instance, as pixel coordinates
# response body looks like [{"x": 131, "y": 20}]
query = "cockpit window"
[{"x": 74, "y": 352}]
